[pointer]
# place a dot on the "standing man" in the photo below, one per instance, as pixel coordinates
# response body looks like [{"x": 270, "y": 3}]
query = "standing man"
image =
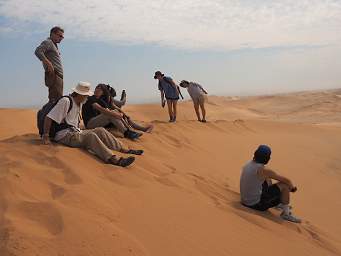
[{"x": 48, "y": 53}]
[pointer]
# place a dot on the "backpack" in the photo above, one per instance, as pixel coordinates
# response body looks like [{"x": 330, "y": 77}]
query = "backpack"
[
  {"x": 169, "y": 82},
  {"x": 55, "y": 127}
]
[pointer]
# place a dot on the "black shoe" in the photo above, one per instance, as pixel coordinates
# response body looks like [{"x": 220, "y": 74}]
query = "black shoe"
[
  {"x": 135, "y": 152},
  {"x": 132, "y": 135},
  {"x": 124, "y": 162}
]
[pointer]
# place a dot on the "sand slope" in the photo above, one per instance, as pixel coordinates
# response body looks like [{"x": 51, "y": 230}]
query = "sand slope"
[{"x": 182, "y": 196}]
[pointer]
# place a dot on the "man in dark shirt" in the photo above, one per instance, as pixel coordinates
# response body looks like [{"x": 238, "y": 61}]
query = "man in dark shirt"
[
  {"x": 96, "y": 113},
  {"x": 48, "y": 53},
  {"x": 89, "y": 111}
]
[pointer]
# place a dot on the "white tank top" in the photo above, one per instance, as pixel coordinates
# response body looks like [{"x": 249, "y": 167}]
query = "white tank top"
[{"x": 251, "y": 184}]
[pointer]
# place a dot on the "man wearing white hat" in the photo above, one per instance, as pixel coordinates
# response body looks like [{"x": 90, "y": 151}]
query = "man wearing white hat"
[{"x": 98, "y": 140}]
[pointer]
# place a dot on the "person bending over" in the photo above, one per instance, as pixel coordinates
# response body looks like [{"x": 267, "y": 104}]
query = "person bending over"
[
  {"x": 170, "y": 91},
  {"x": 197, "y": 93}
]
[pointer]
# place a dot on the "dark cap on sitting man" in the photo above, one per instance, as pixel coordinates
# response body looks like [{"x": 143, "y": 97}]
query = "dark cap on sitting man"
[{"x": 262, "y": 154}]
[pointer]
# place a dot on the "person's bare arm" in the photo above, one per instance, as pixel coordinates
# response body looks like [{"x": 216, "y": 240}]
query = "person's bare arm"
[
  {"x": 204, "y": 90},
  {"x": 47, "y": 127},
  {"x": 163, "y": 102},
  {"x": 107, "y": 111},
  {"x": 119, "y": 110},
  {"x": 270, "y": 174}
]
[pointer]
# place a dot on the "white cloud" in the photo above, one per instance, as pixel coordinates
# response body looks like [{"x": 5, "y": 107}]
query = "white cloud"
[{"x": 190, "y": 24}]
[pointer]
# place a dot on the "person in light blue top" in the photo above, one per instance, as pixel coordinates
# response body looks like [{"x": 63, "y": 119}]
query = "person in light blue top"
[{"x": 169, "y": 90}]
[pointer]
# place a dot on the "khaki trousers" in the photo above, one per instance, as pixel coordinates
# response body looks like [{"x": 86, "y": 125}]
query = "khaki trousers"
[
  {"x": 103, "y": 120},
  {"x": 97, "y": 140},
  {"x": 55, "y": 85}
]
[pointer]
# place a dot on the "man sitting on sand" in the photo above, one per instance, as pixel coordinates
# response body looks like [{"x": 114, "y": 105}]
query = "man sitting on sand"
[
  {"x": 98, "y": 140},
  {"x": 258, "y": 192},
  {"x": 197, "y": 93},
  {"x": 100, "y": 111}
]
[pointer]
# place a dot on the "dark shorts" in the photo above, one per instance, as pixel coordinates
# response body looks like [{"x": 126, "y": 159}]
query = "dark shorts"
[
  {"x": 172, "y": 98},
  {"x": 271, "y": 197}
]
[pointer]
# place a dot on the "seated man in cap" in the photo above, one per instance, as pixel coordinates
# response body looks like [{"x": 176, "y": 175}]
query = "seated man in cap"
[
  {"x": 257, "y": 191},
  {"x": 67, "y": 132}
]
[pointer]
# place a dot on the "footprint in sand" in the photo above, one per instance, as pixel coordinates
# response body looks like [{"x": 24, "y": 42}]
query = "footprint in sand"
[
  {"x": 43, "y": 214},
  {"x": 170, "y": 167},
  {"x": 219, "y": 194},
  {"x": 166, "y": 181},
  {"x": 6, "y": 165},
  {"x": 318, "y": 237},
  {"x": 69, "y": 176},
  {"x": 56, "y": 190}
]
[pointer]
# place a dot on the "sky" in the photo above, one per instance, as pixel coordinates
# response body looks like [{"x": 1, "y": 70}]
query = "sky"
[{"x": 231, "y": 47}]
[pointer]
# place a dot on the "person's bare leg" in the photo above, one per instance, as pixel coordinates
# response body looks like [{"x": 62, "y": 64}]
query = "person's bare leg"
[
  {"x": 175, "y": 103},
  {"x": 203, "y": 110},
  {"x": 285, "y": 192},
  {"x": 148, "y": 128},
  {"x": 170, "y": 110},
  {"x": 196, "y": 108},
  {"x": 285, "y": 199}
]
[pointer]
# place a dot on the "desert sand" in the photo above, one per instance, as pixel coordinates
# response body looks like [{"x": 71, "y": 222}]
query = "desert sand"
[{"x": 181, "y": 198}]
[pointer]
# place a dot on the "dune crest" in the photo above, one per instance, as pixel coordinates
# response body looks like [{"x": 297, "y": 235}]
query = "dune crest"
[{"x": 182, "y": 196}]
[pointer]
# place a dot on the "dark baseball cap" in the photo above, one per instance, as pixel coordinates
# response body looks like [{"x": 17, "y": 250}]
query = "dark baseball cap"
[
  {"x": 158, "y": 73},
  {"x": 262, "y": 154}
]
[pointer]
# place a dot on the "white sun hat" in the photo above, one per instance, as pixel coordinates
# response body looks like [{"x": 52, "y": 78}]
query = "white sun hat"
[{"x": 83, "y": 88}]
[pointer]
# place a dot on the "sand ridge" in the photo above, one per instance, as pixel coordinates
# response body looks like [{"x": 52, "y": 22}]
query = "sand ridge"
[{"x": 182, "y": 196}]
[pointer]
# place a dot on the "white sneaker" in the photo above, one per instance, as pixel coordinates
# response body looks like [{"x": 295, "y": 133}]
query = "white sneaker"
[{"x": 290, "y": 217}]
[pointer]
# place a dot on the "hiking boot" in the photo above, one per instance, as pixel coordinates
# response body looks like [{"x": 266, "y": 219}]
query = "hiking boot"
[{"x": 290, "y": 217}]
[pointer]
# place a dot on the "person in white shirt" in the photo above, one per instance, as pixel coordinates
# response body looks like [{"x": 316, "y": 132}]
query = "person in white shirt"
[
  {"x": 97, "y": 140},
  {"x": 197, "y": 93}
]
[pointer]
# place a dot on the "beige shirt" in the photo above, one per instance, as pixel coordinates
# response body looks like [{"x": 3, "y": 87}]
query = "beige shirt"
[{"x": 195, "y": 90}]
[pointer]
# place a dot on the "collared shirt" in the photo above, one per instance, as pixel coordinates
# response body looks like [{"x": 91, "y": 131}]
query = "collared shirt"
[{"x": 50, "y": 50}]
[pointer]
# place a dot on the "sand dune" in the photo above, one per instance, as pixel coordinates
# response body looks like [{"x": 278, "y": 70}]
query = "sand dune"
[{"x": 182, "y": 196}]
